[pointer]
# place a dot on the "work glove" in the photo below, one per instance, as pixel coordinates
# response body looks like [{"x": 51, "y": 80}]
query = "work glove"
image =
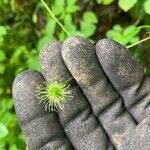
[{"x": 109, "y": 106}]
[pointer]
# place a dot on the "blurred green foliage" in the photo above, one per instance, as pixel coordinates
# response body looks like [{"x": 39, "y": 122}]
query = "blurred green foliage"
[{"x": 26, "y": 26}]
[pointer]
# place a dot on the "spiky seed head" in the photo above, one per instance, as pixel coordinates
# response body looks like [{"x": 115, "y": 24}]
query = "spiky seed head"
[{"x": 53, "y": 94}]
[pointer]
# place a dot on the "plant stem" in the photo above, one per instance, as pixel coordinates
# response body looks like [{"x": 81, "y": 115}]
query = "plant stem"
[
  {"x": 68, "y": 81},
  {"x": 144, "y": 26},
  {"x": 138, "y": 20},
  {"x": 143, "y": 40},
  {"x": 54, "y": 17}
]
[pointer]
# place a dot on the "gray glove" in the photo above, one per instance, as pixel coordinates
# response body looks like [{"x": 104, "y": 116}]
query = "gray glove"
[{"x": 108, "y": 111}]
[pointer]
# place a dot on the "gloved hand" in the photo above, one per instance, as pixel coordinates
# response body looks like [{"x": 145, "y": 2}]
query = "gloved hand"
[{"x": 110, "y": 110}]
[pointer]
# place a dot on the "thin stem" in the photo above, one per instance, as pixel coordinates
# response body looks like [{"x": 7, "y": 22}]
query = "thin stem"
[
  {"x": 138, "y": 20},
  {"x": 54, "y": 17},
  {"x": 144, "y": 27},
  {"x": 68, "y": 81},
  {"x": 143, "y": 40}
]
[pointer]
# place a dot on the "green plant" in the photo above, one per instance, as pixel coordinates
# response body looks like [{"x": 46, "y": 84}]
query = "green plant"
[
  {"x": 53, "y": 94},
  {"x": 9, "y": 128},
  {"x": 105, "y": 2},
  {"x": 124, "y": 35},
  {"x": 65, "y": 15},
  {"x": 54, "y": 17},
  {"x": 126, "y": 5},
  {"x": 3, "y": 131},
  {"x": 127, "y": 35},
  {"x": 147, "y": 6}
]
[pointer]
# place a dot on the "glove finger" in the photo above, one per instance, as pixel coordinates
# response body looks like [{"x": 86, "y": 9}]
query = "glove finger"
[
  {"x": 127, "y": 76},
  {"x": 80, "y": 57},
  {"x": 81, "y": 126},
  {"x": 42, "y": 129},
  {"x": 139, "y": 138}
]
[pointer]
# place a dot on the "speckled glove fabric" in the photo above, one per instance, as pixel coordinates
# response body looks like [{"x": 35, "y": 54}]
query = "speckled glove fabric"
[{"x": 110, "y": 104}]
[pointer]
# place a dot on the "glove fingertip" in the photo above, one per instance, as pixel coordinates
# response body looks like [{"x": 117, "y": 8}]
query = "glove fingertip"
[{"x": 23, "y": 91}]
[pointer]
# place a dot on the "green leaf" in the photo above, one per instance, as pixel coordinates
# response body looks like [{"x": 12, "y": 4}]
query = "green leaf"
[
  {"x": 13, "y": 147},
  {"x": 6, "y": 104},
  {"x": 50, "y": 27},
  {"x": 69, "y": 25},
  {"x": 127, "y": 4},
  {"x": 117, "y": 27},
  {"x": 129, "y": 35},
  {"x": 136, "y": 39},
  {"x": 33, "y": 63},
  {"x": 115, "y": 33},
  {"x": 71, "y": 2},
  {"x": 87, "y": 29},
  {"x": 62, "y": 36},
  {"x": 99, "y": 1},
  {"x": 72, "y": 9},
  {"x": 90, "y": 17},
  {"x": 44, "y": 40},
  {"x": 3, "y": 30},
  {"x": 88, "y": 24},
  {"x": 107, "y": 2},
  {"x": 7, "y": 118},
  {"x": 17, "y": 53},
  {"x": 71, "y": 6},
  {"x": 48, "y": 33},
  {"x": 2, "y": 56},
  {"x": 147, "y": 6},
  {"x": 128, "y": 30},
  {"x": 34, "y": 18},
  {"x": 3, "y": 131},
  {"x": 58, "y": 7},
  {"x": 124, "y": 36}
]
